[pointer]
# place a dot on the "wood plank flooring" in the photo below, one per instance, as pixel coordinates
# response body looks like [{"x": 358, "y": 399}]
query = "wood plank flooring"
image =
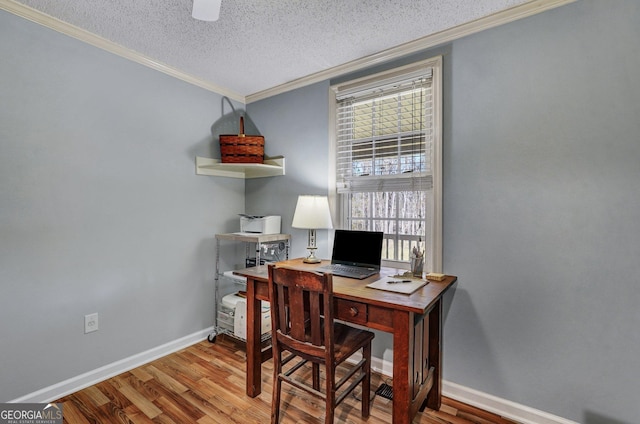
[{"x": 205, "y": 384}]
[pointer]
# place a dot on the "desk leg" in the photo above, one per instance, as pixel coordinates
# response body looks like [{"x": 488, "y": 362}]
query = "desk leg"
[
  {"x": 412, "y": 389},
  {"x": 403, "y": 340},
  {"x": 434, "y": 398},
  {"x": 254, "y": 362}
]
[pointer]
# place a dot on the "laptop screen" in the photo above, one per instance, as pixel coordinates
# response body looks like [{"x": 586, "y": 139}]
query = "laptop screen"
[{"x": 360, "y": 248}]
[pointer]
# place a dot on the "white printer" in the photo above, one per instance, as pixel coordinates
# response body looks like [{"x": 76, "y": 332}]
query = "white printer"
[
  {"x": 238, "y": 305},
  {"x": 269, "y": 224}
]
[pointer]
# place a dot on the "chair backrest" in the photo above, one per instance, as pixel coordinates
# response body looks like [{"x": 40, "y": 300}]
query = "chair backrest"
[{"x": 301, "y": 305}]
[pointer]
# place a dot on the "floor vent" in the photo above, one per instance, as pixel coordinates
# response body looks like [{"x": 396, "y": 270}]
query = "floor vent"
[{"x": 385, "y": 391}]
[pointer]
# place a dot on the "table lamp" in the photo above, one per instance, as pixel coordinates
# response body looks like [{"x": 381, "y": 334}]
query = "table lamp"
[{"x": 312, "y": 213}]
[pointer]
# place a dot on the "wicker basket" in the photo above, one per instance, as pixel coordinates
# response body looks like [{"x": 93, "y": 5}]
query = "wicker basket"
[{"x": 241, "y": 148}]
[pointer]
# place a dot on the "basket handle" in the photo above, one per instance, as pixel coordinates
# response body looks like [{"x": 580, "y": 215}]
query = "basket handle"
[{"x": 241, "y": 134}]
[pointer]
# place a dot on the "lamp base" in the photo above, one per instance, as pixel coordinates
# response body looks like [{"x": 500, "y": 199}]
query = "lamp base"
[{"x": 311, "y": 259}]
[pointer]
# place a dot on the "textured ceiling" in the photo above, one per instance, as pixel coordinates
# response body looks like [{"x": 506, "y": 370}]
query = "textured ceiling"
[{"x": 260, "y": 44}]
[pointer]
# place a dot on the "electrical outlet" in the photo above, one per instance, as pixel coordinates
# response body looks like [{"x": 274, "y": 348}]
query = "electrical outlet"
[{"x": 90, "y": 323}]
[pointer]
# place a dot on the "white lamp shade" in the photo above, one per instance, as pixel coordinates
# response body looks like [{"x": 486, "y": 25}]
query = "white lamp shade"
[
  {"x": 312, "y": 212},
  {"x": 206, "y": 10}
]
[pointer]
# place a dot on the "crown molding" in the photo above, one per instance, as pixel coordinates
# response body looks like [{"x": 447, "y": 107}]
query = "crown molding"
[
  {"x": 508, "y": 15},
  {"x": 55, "y": 24}
]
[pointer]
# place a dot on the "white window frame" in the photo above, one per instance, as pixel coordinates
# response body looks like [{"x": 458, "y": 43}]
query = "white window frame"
[{"x": 434, "y": 211}]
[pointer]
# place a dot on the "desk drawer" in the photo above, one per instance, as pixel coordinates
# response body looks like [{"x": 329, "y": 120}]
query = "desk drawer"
[{"x": 350, "y": 311}]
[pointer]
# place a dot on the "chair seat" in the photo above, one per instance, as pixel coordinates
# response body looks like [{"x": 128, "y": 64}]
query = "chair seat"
[{"x": 348, "y": 340}]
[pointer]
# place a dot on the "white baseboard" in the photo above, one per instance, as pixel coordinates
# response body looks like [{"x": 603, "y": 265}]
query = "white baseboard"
[
  {"x": 502, "y": 407},
  {"x": 505, "y": 408},
  {"x": 90, "y": 378}
]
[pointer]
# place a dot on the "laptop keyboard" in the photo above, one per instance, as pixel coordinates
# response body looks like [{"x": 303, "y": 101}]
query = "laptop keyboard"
[{"x": 348, "y": 271}]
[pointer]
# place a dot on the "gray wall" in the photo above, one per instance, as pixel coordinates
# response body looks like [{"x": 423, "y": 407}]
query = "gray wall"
[
  {"x": 541, "y": 206},
  {"x": 295, "y": 126},
  {"x": 542, "y": 200},
  {"x": 100, "y": 207},
  {"x": 100, "y": 210}
]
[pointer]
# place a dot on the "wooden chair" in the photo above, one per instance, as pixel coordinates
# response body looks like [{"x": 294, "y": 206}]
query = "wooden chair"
[{"x": 301, "y": 303}]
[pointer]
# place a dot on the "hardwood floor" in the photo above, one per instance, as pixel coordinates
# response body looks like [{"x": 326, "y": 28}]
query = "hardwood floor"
[{"x": 204, "y": 384}]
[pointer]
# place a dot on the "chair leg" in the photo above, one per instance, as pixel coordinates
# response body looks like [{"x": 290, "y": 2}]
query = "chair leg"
[
  {"x": 330, "y": 404},
  {"x": 275, "y": 401},
  {"x": 366, "y": 383},
  {"x": 277, "y": 386},
  {"x": 315, "y": 367}
]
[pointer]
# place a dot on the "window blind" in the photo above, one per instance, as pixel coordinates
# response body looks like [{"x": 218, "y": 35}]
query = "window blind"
[{"x": 384, "y": 134}]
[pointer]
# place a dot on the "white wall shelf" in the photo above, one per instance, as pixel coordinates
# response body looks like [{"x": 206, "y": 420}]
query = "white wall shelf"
[{"x": 272, "y": 166}]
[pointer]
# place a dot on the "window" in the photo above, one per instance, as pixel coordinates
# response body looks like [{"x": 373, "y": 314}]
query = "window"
[{"x": 387, "y": 159}]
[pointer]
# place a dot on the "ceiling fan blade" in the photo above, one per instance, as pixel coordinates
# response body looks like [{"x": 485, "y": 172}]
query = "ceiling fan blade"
[{"x": 206, "y": 10}]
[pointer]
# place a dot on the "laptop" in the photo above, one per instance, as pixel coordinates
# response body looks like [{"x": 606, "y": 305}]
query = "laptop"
[{"x": 356, "y": 254}]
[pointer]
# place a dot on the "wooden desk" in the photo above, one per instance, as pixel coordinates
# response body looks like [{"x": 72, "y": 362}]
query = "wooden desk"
[{"x": 414, "y": 320}]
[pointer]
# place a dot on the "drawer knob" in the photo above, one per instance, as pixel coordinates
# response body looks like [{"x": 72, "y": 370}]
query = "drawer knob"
[{"x": 353, "y": 311}]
